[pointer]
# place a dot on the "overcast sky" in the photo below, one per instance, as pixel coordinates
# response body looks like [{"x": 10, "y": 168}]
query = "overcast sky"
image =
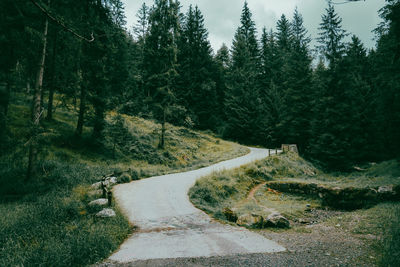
[{"x": 222, "y": 17}]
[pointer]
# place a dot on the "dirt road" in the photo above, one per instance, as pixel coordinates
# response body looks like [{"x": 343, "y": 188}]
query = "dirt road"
[{"x": 171, "y": 227}]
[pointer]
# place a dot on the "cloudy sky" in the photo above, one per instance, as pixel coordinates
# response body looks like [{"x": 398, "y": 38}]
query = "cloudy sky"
[{"x": 222, "y": 16}]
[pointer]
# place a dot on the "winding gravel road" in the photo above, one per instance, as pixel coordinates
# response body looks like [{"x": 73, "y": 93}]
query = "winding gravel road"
[{"x": 171, "y": 227}]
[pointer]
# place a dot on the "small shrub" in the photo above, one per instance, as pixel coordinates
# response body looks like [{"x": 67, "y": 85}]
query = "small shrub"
[
  {"x": 125, "y": 178},
  {"x": 203, "y": 194},
  {"x": 230, "y": 215},
  {"x": 260, "y": 172},
  {"x": 134, "y": 174}
]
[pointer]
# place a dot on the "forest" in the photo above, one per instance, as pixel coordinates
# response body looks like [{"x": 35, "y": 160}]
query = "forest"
[
  {"x": 341, "y": 107},
  {"x": 83, "y": 97}
]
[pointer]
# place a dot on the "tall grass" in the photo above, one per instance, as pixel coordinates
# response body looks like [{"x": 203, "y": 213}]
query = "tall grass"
[
  {"x": 46, "y": 221},
  {"x": 391, "y": 238}
]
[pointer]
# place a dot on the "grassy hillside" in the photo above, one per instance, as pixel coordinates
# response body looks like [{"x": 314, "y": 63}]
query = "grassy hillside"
[
  {"x": 246, "y": 191},
  {"x": 48, "y": 220}
]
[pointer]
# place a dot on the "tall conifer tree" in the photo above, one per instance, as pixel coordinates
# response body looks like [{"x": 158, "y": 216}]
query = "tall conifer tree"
[{"x": 242, "y": 96}]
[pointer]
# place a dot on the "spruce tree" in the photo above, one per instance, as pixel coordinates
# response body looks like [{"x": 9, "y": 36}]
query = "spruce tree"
[
  {"x": 330, "y": 137},
  {"x": 297, "y": 115},
  {"x": 331, "y": 35},
  {"x": 161, "y": 60},
  {"x": 386, "y": 73},
  {"x": 242, "y": 97},
  {"x": 222, "y": 61},
  {"x": 362, "y": 119},
  {"x": 197, "y": 90}
]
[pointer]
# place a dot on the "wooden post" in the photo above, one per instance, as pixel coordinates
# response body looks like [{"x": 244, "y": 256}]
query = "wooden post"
[
  {"x": 268, "y": 152},
  {"x": 103, "y": 187},
  {"x": 276, "y": 151},
  {"x": 109, "y": 194}
]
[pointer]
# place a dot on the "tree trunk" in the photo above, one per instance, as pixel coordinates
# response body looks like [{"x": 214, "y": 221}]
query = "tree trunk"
[
  {"x": 98, "y": 121},
  {"x": 52, "y": 78},
  {"x": 82, "y": 108},
  {"x": 82, "y": 104},
  {"x": 37, "y": 112},
  {"x": 8, "y": 95}
]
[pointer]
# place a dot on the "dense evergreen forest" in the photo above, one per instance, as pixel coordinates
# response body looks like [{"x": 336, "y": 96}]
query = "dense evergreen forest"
[{"x": 263, "y": 91}]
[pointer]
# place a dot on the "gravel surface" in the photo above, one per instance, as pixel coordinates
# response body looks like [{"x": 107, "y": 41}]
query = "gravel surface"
[{"x": 324, "y": 246}]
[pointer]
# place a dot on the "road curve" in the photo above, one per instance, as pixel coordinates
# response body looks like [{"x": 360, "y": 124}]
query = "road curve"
[{"x": 171, "y": 227}]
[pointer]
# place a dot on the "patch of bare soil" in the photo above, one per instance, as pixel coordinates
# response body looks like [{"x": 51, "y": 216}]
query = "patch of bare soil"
[
  {"x": 315, "y": 244},
  {"x": 250, "y": 196}
]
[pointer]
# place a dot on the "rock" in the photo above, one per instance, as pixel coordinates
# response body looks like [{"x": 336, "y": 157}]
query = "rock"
[
  {"x": 386, "y": 189},
  {"x": 250, "y": 220},
  {"x": 99, "y": 202},
  {"x": 277, "y": 220},
  {"x": 95, "y": 193},
  {"x": 96, "y": 185},
  {"x": 388, "y": 192},
  {"x": 304, "y": 221},
  {"x": 106, "y": 213},
  {"x": 111, "y": 180}
]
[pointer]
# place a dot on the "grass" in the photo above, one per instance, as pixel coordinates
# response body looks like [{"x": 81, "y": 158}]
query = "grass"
[
  {"x": 381, "y": 224},
  {"x": 47, "y": 220},
  {"x": 230, "y": 189}
]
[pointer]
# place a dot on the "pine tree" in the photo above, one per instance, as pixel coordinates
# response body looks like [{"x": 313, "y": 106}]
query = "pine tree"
[
  {"x": 196, "y": 85},
  {"x": 362, "y": 120},
  {"x": 141, "y": 28},
  {"x": 223, "y": 62},
  {"x": 297, "y": 115},
  {"x": 271, "y": 107},
  {"x": 161, "y": 59},
  {"x": 270, "y": 60},
  {"x": 242, "y": 96},
  {"x": 331, "y": 35},
  {"x": 330, "y": 137},
  {"x": 386, "y": 73},
  {"x": 36, "y": 103}
]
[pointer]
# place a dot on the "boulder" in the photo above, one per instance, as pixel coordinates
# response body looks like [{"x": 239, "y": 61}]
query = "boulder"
[
  {"x": 99, "y": 202},
  {"x": 106, "y": 213},
  {"x": 386, "y": 189},
  {"x": 388, "y": 192},
  {"x": 96, "y": 185},
  {"x": 277, "y": 220},
  {"x": 250, "y": 220},
  {"x": 111, "y": 181}
]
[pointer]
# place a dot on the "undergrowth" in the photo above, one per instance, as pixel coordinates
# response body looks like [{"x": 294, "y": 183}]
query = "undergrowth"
[{"x": 46, "y": 220}]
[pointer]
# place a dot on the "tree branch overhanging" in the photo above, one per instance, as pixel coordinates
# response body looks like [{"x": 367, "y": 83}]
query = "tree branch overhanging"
[
  {"x": 345, "y": 2},
  {"x": 62, "y": 24}
]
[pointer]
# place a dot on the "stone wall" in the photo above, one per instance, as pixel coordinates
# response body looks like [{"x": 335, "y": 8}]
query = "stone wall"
[{"x": 340, "y": 198}]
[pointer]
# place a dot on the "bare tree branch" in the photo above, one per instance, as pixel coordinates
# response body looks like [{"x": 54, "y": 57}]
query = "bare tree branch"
[
  {"x": 345, "y": 2},
  {"x": 62, "y": 24}
]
